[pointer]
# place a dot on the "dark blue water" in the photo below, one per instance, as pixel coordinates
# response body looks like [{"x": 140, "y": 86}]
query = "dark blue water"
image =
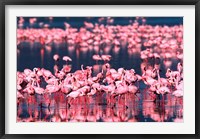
[{"x": 77, "y": 22}]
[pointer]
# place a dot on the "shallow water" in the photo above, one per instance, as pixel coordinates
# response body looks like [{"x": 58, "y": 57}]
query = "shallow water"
[{"x": 97, "y": 108}]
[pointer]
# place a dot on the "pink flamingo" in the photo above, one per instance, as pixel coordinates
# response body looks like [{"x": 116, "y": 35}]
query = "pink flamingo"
[
  {"x": 178, "y": 93},
  {"x": 29, "y": 89},
  {"x": 66, "y": 58},
  {"x": 39, "y": 90},
  {"x": 74, "y": 95},
  {"x": 66, "y": 69},
  {"x": 180, "y": 67},
  {"x": 106, "y": 58},
  {"x": 96, "y": 58},
  {"x": 56, "y": 57},
  {"x": 19, "y": 95}
]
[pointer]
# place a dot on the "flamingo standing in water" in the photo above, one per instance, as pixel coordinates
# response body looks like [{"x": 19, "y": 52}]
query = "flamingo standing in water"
[
  {"x": 162, "y": 81},
  {"x": 148, "y": 80},
  {"x": 121, "y": 89},
  {"x": 96, "y": 58},
  {"x": 53, "y": 87},
  {"x": 19, "y": 97},
  {"x": 161, "y": 87},
  {"x": 66, "y": 58},
  {"x": 73, "y": 95},
  {"x": 179, "y": 89},
  {"x": 106, "y": 58},
  {"x": 178, "y": 93},
  {"x": 39, "y": 90},
  {"x": 56, "y": 57}
]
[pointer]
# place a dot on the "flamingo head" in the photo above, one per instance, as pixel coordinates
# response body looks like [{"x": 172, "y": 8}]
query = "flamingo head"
[
  {"x": 133, "y": 71},
  {"x": 35, "y": 70},
  {"x": 107, "y": 65},
  {"x": 69, "y": 74},
  {"x": 89, "y": 67},
  {"x": 157, "y": 85},
  {"x": 180, "y": 64},
  {"x": 168, "y": 70}
]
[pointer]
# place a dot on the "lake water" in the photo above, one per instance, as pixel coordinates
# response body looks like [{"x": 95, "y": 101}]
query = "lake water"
[{"x": 95, "y": 108}]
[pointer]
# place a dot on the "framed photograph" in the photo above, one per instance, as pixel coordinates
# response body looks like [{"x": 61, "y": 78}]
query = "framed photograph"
[{"x": 103, "y": 69}]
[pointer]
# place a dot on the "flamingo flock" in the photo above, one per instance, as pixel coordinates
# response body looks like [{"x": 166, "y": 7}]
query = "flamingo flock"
[
  {"x": 110, "y": 81},
  {"x": 155, "y": 45},
  {"x": 150, "y": 41}
]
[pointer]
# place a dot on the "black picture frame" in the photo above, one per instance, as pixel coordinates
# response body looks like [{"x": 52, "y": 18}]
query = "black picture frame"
[{"x": 3, "y": 4}]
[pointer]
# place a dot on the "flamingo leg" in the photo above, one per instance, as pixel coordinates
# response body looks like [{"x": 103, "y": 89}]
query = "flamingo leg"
[
  {"x": 85, "y": 98},
  {"x": 119, "y": 97},
  {"x": 66, "y": 101},
  {"x": 110, "y": 99},
  {"x": 137, "y": 97},
  {"x": 145, "y": 92},
  {"x": 151, "y": 95}
]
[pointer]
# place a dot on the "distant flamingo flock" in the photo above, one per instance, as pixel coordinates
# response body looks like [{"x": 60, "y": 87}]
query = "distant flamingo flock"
[
  {"x": 155, "y": 45},
  {"x": 162, "y": 41}
]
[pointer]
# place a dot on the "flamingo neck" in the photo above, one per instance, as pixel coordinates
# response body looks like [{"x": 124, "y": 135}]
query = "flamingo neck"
[
  {"x": 158, "y": 73},
  {"x": 177, "y": 80},
  {"x": 82, "y": 68}
]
